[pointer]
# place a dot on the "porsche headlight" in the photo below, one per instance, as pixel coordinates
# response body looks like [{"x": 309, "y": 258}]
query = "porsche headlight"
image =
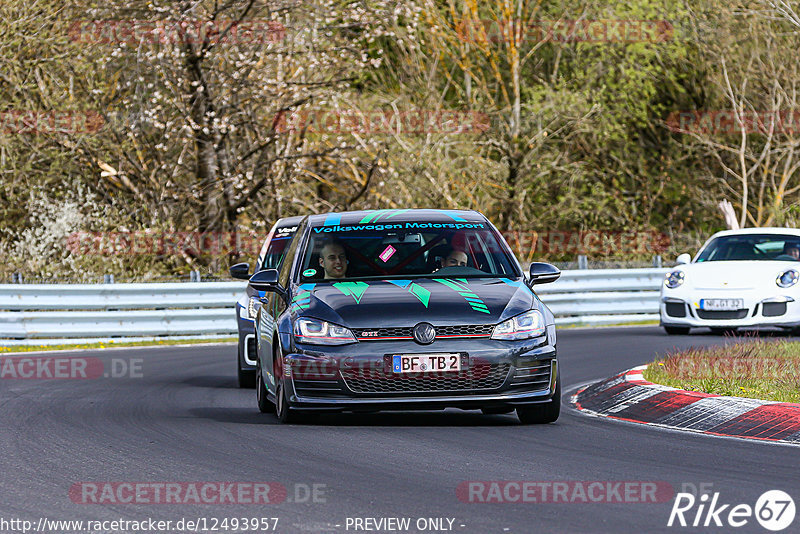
[
  {"x": 316, "y": 332},
  {"x": 251, "y": 308},
  {"x": 524, "y": 326},
  {"x": 787, "y": 278},
  {"x": 674, "y": 279}
]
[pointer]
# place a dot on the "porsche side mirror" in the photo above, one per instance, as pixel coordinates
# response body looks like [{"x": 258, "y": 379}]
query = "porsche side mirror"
[
  {"x": 543, "y": 273},
  {"x": 683, "y": 259},
  {"x": 240, "y": 271}
]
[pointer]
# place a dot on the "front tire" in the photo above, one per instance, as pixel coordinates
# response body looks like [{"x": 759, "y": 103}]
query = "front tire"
[
  {"x": 264, "y": 405},
  {"x": 286, "y": 415},
  {"x": 540, "y": 414},
  {"x": 676, "y": 330},
  {"x": 247, "y": 379}
]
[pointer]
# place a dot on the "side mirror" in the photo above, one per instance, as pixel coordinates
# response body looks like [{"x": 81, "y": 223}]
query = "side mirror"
[
  {"x": 267, "y": 280},
  {"x": 543, "y": 273},
  {"x": 683, "y": 259},
  {"x": 240, "y": 271}
]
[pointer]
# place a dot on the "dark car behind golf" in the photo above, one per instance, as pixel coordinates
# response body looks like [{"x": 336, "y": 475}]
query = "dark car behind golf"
[
  {"x": 431, "y": 310},
  {"x": 270, "y": 257}
]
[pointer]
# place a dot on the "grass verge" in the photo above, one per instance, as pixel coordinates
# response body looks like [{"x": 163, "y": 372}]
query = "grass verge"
[
  {"x": 758, "y": 369},
  {"x": 83, "y": 346}
]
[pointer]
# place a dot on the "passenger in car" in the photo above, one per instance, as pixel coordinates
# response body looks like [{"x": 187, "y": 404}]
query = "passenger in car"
[
  {"x": 333, "y": 259},
  {"x": 792, "y": 249},
  {"x": 455, "y": 258}
]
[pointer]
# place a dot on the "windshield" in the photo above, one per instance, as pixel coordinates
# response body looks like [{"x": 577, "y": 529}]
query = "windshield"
[
  {"x": 752, "y": 247},
  {"x": 405, "y": 250}
]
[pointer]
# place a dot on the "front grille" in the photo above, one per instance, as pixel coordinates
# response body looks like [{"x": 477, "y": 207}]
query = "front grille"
[
  {"x": 480, "y": 377},
  {"x": 676, "y": 309},
  {"x": 721, "y": 315},
  {"x": 406, "y": 332},
  {"x": 369, "y": 334},
  {"x": 774, "y": 309},
  {"x": 532, "y": 374}
]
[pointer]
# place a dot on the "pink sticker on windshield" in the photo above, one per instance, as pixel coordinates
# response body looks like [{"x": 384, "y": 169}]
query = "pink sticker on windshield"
[{"x": 387, "y": 253}]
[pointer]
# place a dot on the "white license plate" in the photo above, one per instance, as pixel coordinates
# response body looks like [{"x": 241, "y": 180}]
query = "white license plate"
[
  {"x": 425, "y": 363},
  {"x": 721, "y": 304}
]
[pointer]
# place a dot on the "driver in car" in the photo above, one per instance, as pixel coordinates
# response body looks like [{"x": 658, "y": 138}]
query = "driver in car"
[
  {"x": 791, "y": 249},
  {"x": 333, "y": 259}
]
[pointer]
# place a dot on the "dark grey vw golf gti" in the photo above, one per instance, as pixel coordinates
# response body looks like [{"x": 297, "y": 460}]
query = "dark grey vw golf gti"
[{"x": 401, "y": 310}]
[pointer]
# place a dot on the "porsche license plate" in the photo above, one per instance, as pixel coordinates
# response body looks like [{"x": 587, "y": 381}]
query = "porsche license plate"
[
  {"x": 721, "y": 304},
  {"x": 426, "y": 363}
]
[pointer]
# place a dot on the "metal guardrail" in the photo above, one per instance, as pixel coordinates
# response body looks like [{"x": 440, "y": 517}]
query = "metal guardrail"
[
  {"x": 604, "y": 296},
  {"x": 49, "y": 314}
]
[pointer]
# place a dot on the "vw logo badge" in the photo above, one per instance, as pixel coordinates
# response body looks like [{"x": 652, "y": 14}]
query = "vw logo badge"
[{"x": 424, "y": 333}]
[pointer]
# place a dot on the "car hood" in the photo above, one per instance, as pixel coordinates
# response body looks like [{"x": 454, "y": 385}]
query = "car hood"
[
  {"x": 402, "y": 303},
  {"x": 734, "y": 274}
]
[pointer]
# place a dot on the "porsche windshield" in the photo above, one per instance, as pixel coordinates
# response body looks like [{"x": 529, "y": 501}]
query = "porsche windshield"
[
  {"x": 406, "y": 250},
  {"x": 752, "y": 247}
]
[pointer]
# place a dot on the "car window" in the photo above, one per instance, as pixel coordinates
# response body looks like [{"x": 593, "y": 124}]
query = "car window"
[
  {"x": 752, "y": 247},
  {"x": 285, "y": 269},
  {"x": 276, "y": 250}
]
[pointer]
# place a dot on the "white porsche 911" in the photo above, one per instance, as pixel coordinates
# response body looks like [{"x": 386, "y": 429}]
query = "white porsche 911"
[{"x": 740, "y": 278}]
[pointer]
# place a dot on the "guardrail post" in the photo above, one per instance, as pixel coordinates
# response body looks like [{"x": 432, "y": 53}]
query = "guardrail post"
[
  {"x": 194, "y": 276},
  {"x": 583, "y": 262},
  {"x": 657, "y": 261},
  {"x": 108, "y": 278},
  {"x": 16, "y": 278}
]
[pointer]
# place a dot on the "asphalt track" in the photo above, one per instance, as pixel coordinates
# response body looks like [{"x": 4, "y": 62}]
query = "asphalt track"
[{"x": 184, "y": 419}]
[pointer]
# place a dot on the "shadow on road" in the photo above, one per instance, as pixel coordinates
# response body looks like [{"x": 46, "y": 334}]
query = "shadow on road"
[{"x": 224, "y": 382}]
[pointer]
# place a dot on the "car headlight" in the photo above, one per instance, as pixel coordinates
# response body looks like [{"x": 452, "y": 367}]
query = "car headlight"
[
  {"x": 787, "y": 278},
  {"x": 318, "y": 332},
  {"x": 674, "y": 279},
  {"x": 251, "y": 308},
  {"x": 524, "y": 326}
]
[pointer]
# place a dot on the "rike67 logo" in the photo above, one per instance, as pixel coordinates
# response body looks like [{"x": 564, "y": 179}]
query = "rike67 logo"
[{"x": 774, "y": 510}]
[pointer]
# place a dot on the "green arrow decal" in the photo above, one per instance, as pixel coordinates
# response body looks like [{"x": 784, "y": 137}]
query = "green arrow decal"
[
  {"x": 354, "y": 289},
  {"x": 459, "y": 285}
]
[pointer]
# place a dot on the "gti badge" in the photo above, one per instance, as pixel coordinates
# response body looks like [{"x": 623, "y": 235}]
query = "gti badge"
[{"x": 424, "y": 333}]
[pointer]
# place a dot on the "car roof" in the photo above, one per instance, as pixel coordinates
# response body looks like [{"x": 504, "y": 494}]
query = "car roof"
[
  {"x": 765, "y": 230},
  {"x": 396, "y": 215},
  {"x": 289, "y": 221}
]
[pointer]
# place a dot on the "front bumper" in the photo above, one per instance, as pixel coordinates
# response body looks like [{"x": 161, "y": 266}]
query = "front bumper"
[
  {"x": 758, "y": 310},
  {"x": 356, "y": 377}
]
